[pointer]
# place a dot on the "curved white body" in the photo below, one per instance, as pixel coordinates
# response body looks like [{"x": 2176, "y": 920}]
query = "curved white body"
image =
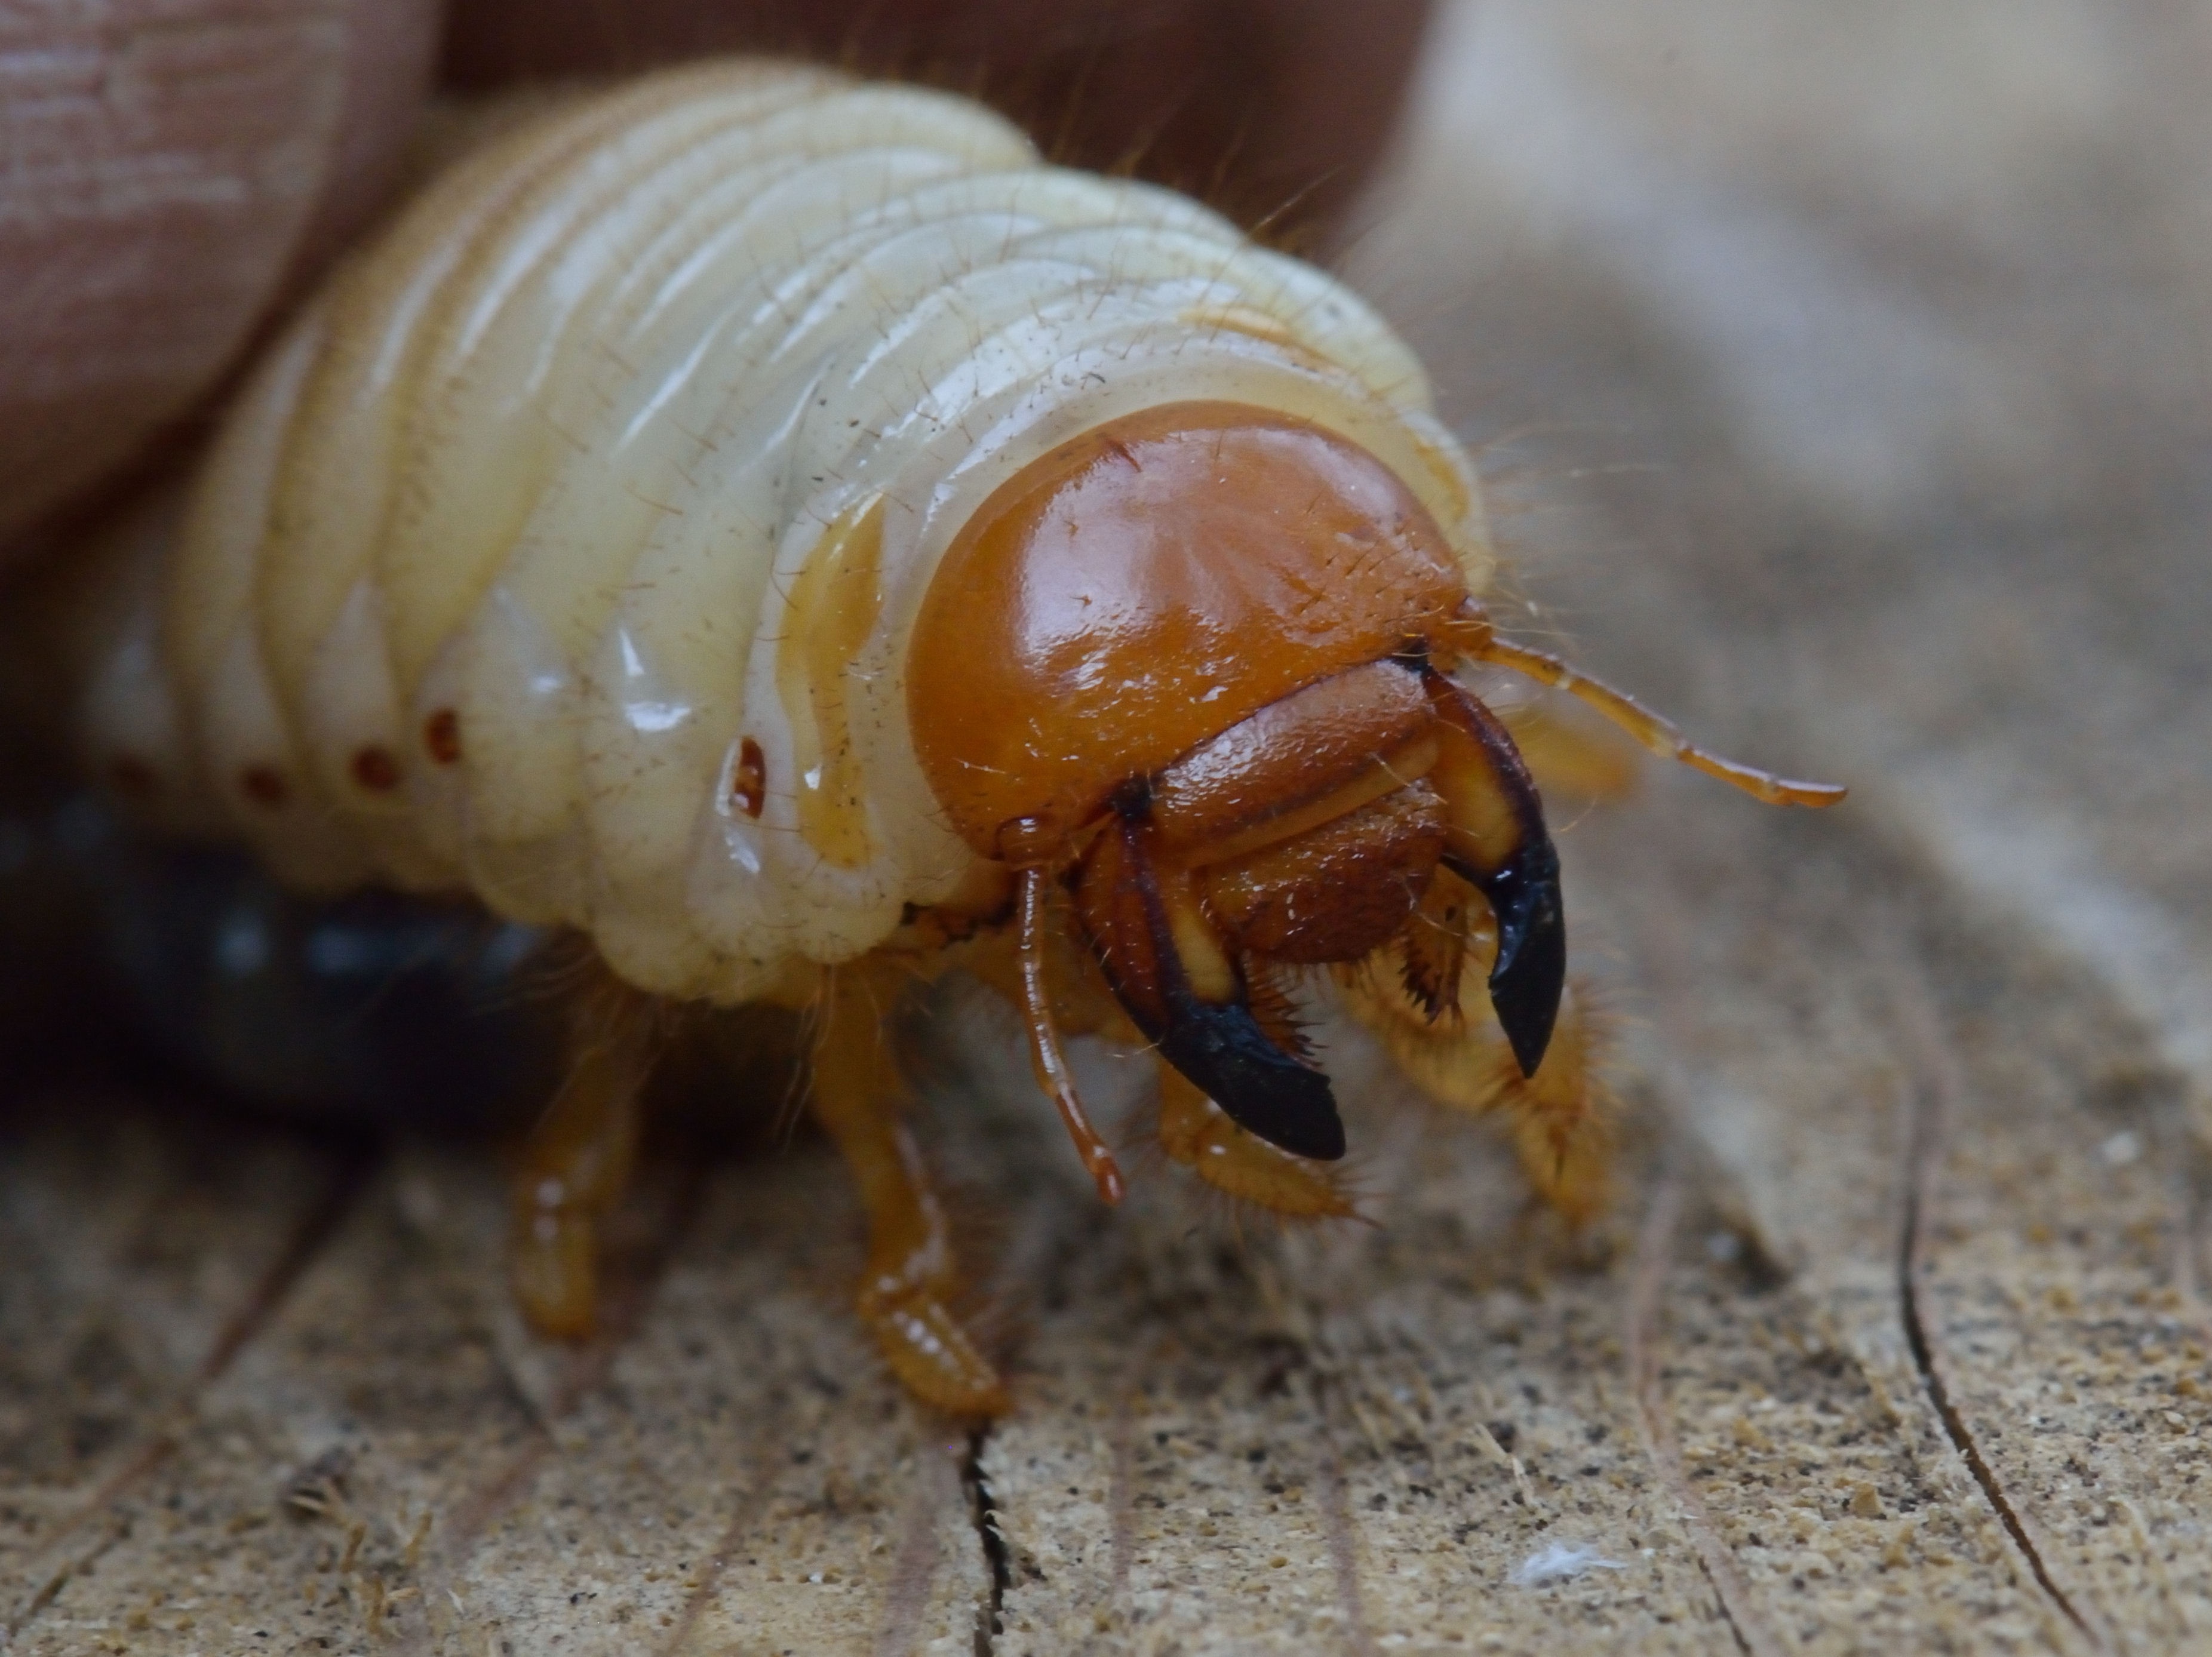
[{"x": 558, "y": 453}]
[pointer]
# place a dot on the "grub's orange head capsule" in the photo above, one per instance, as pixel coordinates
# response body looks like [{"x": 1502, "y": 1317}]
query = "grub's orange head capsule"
[
  {"x": 1146, "y": 586},
  {"x": 1182, "y": 661}
]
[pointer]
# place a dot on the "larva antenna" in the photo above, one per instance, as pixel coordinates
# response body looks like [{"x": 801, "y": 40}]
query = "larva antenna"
[{"x": 1473, "y": 637}]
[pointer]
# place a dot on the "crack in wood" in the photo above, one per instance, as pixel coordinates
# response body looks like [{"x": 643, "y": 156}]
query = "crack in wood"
[
  {"x": 1336, "y": 1517},
  {"x": 1646, "y": 1283},
  {"x": 913, "y": 1569},
  {"x": 351, "y": 1165},
  {"x": 983, "y": 1509},
  {"x": 1937, "y": 1089},
  {"x": 1121, "y": 1493},
  {"x": 2189, "y": 1190},
  {"x": 58, "y": 1579},
  {"x": 745, "y": 1514},
  {"x": 628, "y": 1294}
]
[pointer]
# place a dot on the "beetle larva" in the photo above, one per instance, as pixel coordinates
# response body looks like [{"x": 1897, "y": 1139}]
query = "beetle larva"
[{"x": 778, "y": 528}]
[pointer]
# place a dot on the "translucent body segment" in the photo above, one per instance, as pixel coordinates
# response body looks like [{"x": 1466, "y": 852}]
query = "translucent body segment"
[
  {"x": 250, "y": 757},
  {"x": 340, "y": 484},
  {"x": 210, "y": 627},
  {"x": 348, "y": 716},
  {"x": 358, "y": 748},
  {"x": 833, "y": 608},
  {"x": 489, "y": 435},
  {"x": 220, "y": 552},
  {"x": 1262, "y": 292},
  {"x": 483, "y": 400},
  {"x": 470, "y": 445},
  {"x": 319, "y": 612},
  {"x": 246, "y": 753},
  {"x": 665, "y": 698},
  {"x": 636, "y": 483}
]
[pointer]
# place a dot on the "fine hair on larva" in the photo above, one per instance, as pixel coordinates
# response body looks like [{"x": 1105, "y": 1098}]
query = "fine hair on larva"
[{"x": 578, "y": 545}]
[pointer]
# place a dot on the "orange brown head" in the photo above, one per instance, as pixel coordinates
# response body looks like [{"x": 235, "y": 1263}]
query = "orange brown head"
[{"x": 1184, "y": 663}]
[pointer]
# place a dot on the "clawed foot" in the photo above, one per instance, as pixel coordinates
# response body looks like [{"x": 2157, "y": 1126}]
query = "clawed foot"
[{"x": 930, "y": 1353}]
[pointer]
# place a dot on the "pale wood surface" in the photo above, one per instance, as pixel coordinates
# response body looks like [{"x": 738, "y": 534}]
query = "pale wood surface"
[{"x": 1844, "y": 373}]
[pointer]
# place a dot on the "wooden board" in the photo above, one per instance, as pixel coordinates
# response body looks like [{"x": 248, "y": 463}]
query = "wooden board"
[{"x": 1842, "y": 375}]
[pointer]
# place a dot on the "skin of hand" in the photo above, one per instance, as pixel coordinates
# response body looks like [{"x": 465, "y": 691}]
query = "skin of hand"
[{"x": 180, "y": 168}]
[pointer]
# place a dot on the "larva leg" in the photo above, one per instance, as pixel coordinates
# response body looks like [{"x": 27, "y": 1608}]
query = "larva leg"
[
  {"x": 1198, "y": 1133},
  {"x": 1560, "y": 1127},
  {"x": 578, "y": 1160},
  {"x": 1559, "y": 1124},
  {"x": 858, "y": 1096}
]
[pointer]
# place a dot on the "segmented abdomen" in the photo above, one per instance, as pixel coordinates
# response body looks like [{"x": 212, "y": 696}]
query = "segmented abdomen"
[{"x": 566, "y": 546}]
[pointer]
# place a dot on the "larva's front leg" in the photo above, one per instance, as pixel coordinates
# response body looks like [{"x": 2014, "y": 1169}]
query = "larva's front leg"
[
  {"x": 577, "y": 1162},
  {"x": 1457, "y": 1053},
  {"x": 1559, "y": 1125},
  {"x": 1196, "y": 1132},
  {"x": 858, "y": 1096}
]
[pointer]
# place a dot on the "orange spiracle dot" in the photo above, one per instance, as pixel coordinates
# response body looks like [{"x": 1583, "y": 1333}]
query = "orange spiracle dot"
[
  {"x": 264, "y": 785},
  {"x": 441, "y": 735},
  {"x": 750, "y": 787},
  {"x": 375, "y": 769}
]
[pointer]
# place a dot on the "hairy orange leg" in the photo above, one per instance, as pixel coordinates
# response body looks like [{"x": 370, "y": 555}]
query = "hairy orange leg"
[
  {"x": 1433, "y": 1019},
  {"x": 1196, "y": 1132},
  {"x": 577, "y": 1162},
  {"x": 1559, "y": 1126},
  {"x": 858, "y": 1096}
]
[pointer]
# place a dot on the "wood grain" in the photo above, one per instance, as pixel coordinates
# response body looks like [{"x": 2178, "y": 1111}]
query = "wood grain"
[{"x": 1843, "y": 378}]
